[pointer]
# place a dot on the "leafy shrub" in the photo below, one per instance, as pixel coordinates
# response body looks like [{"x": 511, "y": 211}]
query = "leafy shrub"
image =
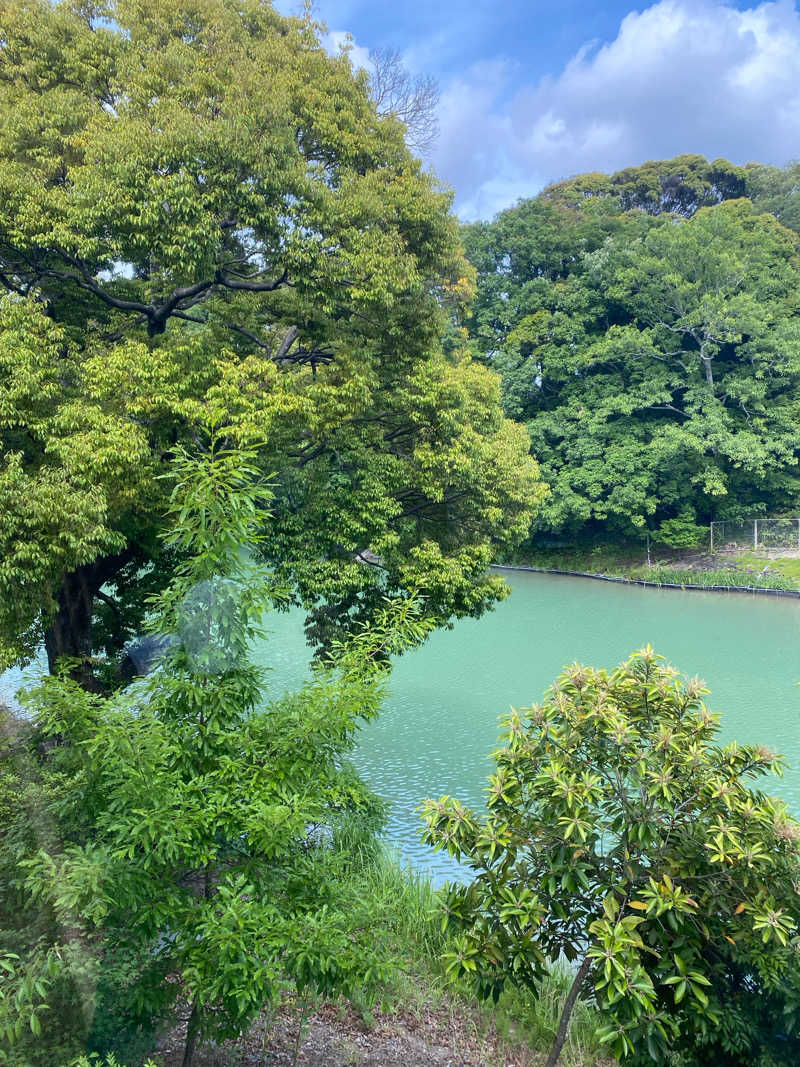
[
  {"x": 681, "y": 531},
  {"x": 621, "y": 836},
  {"x": 183, "y": 856}
]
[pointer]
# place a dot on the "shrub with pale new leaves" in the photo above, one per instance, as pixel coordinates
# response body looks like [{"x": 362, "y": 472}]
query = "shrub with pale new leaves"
[{"x": 621, "y": 835}]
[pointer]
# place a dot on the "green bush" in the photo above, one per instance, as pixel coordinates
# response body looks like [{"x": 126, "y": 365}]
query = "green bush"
[
  {"x": 621, "y": 836},
  {"x": 681, "y": 531}
]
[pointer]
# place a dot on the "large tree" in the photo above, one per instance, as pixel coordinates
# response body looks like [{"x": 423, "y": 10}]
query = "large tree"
[
  {"x": 202, "y": 215},
  {"x": 657, "y": 370}
]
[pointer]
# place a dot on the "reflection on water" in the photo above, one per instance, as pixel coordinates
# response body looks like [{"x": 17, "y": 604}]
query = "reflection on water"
[{"x": 11, "y": 681}]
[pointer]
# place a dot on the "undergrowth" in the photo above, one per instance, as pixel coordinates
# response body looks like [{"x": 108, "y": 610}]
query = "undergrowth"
[
  {"x": 728, "y": 577},
  {"x": 407, "y": 915},
  {"x": 786, "y": 566}
]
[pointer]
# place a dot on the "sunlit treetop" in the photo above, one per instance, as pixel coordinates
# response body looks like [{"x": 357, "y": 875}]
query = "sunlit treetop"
[{"x": 204, "y": 218}]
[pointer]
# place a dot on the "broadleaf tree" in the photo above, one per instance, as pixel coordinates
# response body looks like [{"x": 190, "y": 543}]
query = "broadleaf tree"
[
  {"x": 203, "y": 214},
  {"x": 656, "y": 370},
  {"x": 679, "y": 186},
  {"x": 185, "y": 824},
  {"x": 621, "y": 835}
]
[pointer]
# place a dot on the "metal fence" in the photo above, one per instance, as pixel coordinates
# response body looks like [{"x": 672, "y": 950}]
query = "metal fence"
[{"x": 756, "y": 534}]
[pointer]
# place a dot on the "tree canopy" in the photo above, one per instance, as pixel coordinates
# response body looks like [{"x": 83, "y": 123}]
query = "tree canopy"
[
  {"x": 678, "y": 186},
  {"x": 202, "y": 215},
  {"x": 654, "y": 359},
  {"x": 776, "y": 190}
]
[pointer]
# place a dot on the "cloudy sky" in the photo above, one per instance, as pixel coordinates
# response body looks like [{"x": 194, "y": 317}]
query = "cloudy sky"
[{"x": 534, "y": 91}]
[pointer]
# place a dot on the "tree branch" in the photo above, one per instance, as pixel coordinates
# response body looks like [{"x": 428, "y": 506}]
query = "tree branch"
[
  {"x": 286, "y": 343},
  {"x": 178, "y": 301},
  {"x": 250, "y": 286}
]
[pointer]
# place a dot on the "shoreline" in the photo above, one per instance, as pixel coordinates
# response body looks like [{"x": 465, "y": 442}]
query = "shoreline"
[{"x": 755, "y": 590}]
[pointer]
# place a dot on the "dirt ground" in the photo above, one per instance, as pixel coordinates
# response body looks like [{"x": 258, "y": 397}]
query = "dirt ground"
[{"x": 443, "y": 1035}]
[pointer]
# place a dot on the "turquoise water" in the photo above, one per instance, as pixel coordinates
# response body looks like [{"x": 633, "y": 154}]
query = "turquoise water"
[{"x": 440, "y": 720}]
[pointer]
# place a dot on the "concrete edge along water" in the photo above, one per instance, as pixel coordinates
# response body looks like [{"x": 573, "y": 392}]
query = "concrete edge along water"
[{"x": 754, "y": 589}]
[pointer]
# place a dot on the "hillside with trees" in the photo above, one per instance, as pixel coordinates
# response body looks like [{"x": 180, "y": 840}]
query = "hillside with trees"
[{"x": 646, "y": 328}]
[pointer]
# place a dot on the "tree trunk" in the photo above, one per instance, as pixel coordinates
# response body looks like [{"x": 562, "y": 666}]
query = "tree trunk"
[
  {"x": 706, "y": 360},
  {"x": 709, "y": 373},
  {"x": 569, "y": 1004},
  {"x": 191, "y": 1036},
  {"x": 194, "y": 1019},
  {"x": 69, "y": 631}
]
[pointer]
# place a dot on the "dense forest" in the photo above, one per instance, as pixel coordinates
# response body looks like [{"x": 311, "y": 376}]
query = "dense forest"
[
  {"x": 646, "y": 328},
  {"x": 249, "y": 362}
]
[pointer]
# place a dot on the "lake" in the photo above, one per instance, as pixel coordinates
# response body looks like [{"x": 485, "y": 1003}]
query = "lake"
[{"x": 440, "y": 720}]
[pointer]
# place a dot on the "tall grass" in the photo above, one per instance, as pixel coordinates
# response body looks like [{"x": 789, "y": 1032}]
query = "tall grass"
[
  {"x": 627, "y": 562},
  {"x": 727, "y": 577},
  {"x": 407, "y": 913},
  {"x": 596, "y": 559},
  {"x": 534, "y": 1017}
]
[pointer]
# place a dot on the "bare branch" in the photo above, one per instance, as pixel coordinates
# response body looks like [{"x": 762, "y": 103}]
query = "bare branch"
[
  {"x": 249, "y": 284},
  {"x": 286, "y": 343},
  {"x": 412, "y": 99},
  {"x": 250, "y": 336}
]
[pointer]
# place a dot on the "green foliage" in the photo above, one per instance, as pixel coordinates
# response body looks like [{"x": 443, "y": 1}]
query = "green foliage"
[
  {"x": 108, "y": 1061},
  {"x": 519, "y": 256},
  {"x": 203, "y": 215},
  {"x": 681, "y": 532},
  {"x": 620, "y": 835},
  {"x": 61, "y": 993},
  {"x": 188, "y": 828},
  {"x": 657, "y": 370},
  {"x": 729, "y": 577},
  {"x": 613, "y": 558},
  {"x": 678, "y": 186},
  {"x": 776, "y": 190}
]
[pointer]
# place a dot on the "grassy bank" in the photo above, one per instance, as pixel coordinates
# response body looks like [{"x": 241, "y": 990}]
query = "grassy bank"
[
  {"x": 676, "y": 567},
  {"x": 524, "y": 1022}
]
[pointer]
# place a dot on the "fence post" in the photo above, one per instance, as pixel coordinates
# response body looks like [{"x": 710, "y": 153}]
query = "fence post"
[
  {"x": 755, "y": 535},
  {"x": 712, "y": 535}
]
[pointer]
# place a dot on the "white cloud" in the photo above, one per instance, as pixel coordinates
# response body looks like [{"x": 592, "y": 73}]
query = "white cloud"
[
  {"x": 681, "y": 76},
  {"x": 336, "y": 40}
]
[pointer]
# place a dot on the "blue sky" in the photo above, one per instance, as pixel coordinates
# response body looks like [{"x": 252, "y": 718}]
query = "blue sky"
[{"x": 532, "y": 92}]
